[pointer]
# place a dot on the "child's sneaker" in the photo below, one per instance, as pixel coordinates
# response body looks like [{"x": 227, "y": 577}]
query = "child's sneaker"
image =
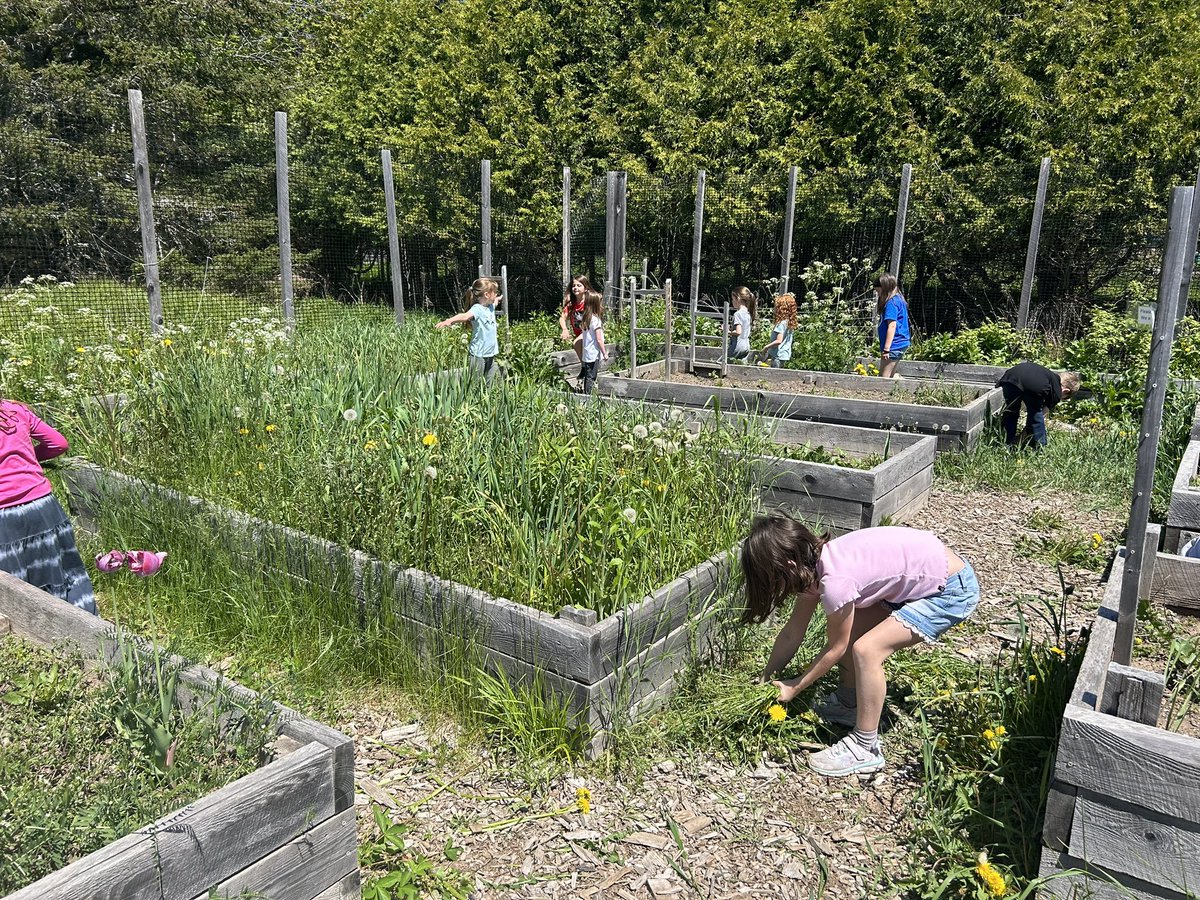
[
  {"x": 847, "y": 757},
  {"x": 833, "y": 710}
]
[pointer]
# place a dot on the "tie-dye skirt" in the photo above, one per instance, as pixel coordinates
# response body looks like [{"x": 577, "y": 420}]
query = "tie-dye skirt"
[{"x": 37, "y": 545}]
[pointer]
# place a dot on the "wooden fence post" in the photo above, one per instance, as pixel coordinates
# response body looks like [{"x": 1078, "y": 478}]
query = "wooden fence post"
[
  {"x": 622, "y": 198},
  {"x": 485, "y": 214},
  {"x": 667, "y": 330},
  {"x": 1035, "y": 237},
  {"x": 632, "y": 329},
  {"x": 566, "y": 230},
  {"x": 389, "y": 198},
  {"x": 611, "y": 278},
  {"x": 141, "y": 171},
  {"x": 507, "y": 321},
  {"x": 789, "y": 222},
  {"x": 1157, "y": 381},
  {"x": 901, "y": 218},
  {"x": 1189, "y": 262},
  {"x": 283, "y": 206},
  {"x": 725, "y": 341},
  {"x": 697, "y": 236}
]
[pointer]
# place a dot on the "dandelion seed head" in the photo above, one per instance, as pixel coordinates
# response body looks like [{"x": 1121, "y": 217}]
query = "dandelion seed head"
[{"x": 350, "y": 415}]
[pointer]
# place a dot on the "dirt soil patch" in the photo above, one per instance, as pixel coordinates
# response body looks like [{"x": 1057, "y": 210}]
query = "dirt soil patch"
[
  {"x": 898, "y": 392},
  {"x": 766, "y": 830}
]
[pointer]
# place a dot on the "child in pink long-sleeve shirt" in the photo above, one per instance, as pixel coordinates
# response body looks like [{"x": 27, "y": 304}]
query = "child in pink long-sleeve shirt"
[{"x": 37, "y": 543}]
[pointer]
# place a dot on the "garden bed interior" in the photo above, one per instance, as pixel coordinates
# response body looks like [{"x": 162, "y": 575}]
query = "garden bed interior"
[
  {"x": 284, "y": 832},
  {"x": 1123, "y": 810},
  {"x": 1183, "y": 514},
  {"x": 765, "y": 391}
]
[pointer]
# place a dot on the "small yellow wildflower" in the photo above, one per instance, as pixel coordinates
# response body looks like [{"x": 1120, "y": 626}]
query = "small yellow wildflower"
[
  {"x": 662, "y": 488},
  {"x": 167, "y": 342},
  {"x": 243, "y": 430},
  {"x": 645, "y": 482},
  {"x": 860, "y": 369},
  {"x": 1032, "y": 678},
  {"x": 777, "y": 713},
  {"x": 583, "y": 797},
  {"x": 271, "y": 428},
  {"x": 430, "y": 439},
  {"x": 1059, "y": 652},
  {"x": 239, "y": 473},
  {"x": 1097, "y": 539},
  {"x": 81, "y": 349},
  {"x": 371, "y": 445},
  {"x": 989, "y": 876},
  {"x": 873, "y": 369},
  {"x": 261, "y": 467}
]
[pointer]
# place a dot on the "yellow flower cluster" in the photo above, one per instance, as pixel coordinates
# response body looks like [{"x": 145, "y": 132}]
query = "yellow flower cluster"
[
  {"x": 430, "y": 439},
  {"x": 1059, "y": 652},
  {"x": 271, "y": 428},
  {"x": 777, "y": 713},
  {"x": 371, "y": 445},
  {"x": 860, "y": 369},
  {"x": 1097, "y": 540},
  {"x": 990, "y": 876},
  {"x": 995, "y": 736},
  {"x": 167, "y": 342},
  {"x": 583, "y": 798}
]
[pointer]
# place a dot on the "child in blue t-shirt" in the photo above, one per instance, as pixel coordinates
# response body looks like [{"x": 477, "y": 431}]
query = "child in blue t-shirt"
[
  {"x": 482, "y": 298},
  {"x": 779, "y": 351},
  {"x": 894, "y": 334}
]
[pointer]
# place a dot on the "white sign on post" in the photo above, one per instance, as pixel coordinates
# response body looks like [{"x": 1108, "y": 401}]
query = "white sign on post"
[{"x": 1146, "y": 314}]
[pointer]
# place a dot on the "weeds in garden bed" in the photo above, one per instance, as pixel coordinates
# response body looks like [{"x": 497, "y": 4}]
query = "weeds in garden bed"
[{"x": 80, "y": 766}]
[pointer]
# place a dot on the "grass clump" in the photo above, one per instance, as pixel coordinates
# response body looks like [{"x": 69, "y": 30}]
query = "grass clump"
[{"x": 79, "y": 767}]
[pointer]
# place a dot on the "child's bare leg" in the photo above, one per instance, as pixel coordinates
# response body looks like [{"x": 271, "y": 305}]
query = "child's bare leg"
[
  {"x": 577, "y": 346},
  {"x": 869, "y": 653}
]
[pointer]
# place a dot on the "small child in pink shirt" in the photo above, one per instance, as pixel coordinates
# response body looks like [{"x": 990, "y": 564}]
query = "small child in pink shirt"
[
  {"x": 37, "y": 543},
  {"x": 882, "y": 589}
]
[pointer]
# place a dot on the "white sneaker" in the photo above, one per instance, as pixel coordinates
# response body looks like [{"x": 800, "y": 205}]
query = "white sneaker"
[
  {"x": 833, "y": 710},
  {"x": 846, "y": 757}
]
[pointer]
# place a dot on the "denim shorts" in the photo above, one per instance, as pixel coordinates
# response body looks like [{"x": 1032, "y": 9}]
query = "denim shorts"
[
  {"x": 931, "y": 617},
  {"x": 893, "y": 354}
]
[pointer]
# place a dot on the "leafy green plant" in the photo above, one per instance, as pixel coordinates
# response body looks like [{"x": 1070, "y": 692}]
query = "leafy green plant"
[{"x": 407, "y": 874}]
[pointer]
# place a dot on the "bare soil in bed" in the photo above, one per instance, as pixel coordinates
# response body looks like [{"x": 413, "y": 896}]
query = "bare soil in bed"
[{"x": 896, "y": 392}]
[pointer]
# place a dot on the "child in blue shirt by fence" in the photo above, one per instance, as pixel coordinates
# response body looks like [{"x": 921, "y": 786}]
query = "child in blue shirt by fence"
[
  {"x": 482, "y": 296},
  {"x": 894, "y": 333}
]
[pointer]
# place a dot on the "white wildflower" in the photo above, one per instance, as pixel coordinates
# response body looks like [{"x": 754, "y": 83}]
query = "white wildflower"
[
  {"x": 627, "y": 448},
  {"x": 629, "y": 514},
  {"x": 640, "y": 432},
  {"x": 431, "y": 472},
  {"x": 656, "y": 427},
  {"x": 351, "y": 415}
]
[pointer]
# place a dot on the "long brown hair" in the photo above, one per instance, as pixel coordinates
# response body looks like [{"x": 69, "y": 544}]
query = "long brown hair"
[
  {"x": 779, "y": 557},
  {"x": 569, "y": 298},
  {"x": 785, "y": 308},
  {"x": 746, "y": 298},
  {"x": 593, "y": 307},
  {"x": 885, "y": 283}
]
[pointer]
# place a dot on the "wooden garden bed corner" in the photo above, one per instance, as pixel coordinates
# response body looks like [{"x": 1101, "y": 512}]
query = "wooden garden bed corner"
[
  {"x": 283, "y": 832},
  {"x": 1123, "y": 813},
  {"x": 1183, "y": 515}
]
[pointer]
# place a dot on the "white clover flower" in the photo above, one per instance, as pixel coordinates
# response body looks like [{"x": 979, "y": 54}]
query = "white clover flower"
[
  {"x": 350, "y": 415},
  {"x": 640, "y": 432},
  {"x": 627, "y": 448},
  {"x": 629, "y": 514},
  {"x": 431, "y": 472},
  {"x": 656, "y": 427}
]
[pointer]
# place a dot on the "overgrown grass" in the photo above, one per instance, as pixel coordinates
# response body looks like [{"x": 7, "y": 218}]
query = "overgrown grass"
[{"x": 78, "y": 768}]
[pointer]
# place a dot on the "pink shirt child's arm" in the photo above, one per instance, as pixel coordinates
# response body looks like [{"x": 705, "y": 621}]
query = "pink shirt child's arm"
[{"x": 50, "y": 443}]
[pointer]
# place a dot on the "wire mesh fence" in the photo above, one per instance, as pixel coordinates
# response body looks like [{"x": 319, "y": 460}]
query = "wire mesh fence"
[{"x": 69, "y": 209}]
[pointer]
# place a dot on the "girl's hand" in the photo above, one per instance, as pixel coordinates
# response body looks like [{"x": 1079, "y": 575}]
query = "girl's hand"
[
  {"x": 787, "y": 692},
  {"x": 566, "y": 336},
  {"x": 442, "y": 324}
]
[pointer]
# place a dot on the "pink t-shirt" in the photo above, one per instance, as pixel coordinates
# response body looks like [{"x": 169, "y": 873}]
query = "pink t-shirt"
[
  {"x": 871, "y": 565},
  {"x": 21, "y": 477}
]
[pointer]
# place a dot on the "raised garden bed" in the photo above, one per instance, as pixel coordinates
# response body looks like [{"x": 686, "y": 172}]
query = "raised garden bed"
[
  {"x": 1124, "y": 805},
  {"x": 838, "y": 476},
  {"x": 285, "y": 831},
  {"x": 1183, "y": 515},
  {"x": 977, "y": 373},
  {"x": 604, "y": 669},
  {"x": 795, "y": 394}
]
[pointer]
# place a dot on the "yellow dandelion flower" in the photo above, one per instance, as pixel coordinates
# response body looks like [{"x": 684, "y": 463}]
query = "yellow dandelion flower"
[
  {"x": 1001, "y": 731},
  {"x": 81, "y": 349},
  {"x": 662, "y": 488},
  {"x": 645, "y": 482},
  {"x": 430, "y": 439},
  {"x": 583, "y": 798},
  {"x": 1032, "y": 678},
  {"x": 271, "y": 428},
  {"x": 243, "y": 431},
  {"x": 989, "y": 733},
  {"x": 371, "y": 445},
  {"x": 991, "y": 877},
  {"x": 860, "y": 369},
  {"x": 167, "y": 342},
  {"x": 777, "y": 713},
  {"x": 1097, "y": 539},
  {"x": 261, "y": 467},
  {"x": 873, "y": 369},
  {"x": 1059, "y": 652}
]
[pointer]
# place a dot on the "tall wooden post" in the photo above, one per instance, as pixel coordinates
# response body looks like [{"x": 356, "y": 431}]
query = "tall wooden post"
[
  {"x": 901, "y": 217},
  {"x": 622, "y": 219},
  {"x": 505, "y": 303},
  {"x": 566, "y": 230},
  {"x": 789, "y": 222},
  {"x": 1035, "y": 237},
  {"x": 141, "y": 171},
  {"x": 611, "y": 276},
  {"x": 1189, "y": 262},
  {"x": 283, "y": 206},
  {"x": 389, "y": 199},
  {"x": 667, "y": 329},
  {"x": 1178, "y": 246},
  {"x": 632, "y": 329},
  {"x": 725, "y": 341},
  {"x": 697, "y": 236},
  {"x": 485, "y": 215}
]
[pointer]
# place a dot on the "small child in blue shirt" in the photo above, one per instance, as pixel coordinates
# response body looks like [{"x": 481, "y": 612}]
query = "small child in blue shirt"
[
  {"x": 779, "y": 350},
  {"x": 894, "y": 333},
  {"x": 482, "y": 297}
]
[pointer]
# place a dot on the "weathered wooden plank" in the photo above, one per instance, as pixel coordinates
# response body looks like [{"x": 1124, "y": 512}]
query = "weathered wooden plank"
[
  {"x": 784, "y": 474},
  {"x": 832, "y": 513},
  {"x": 1175, "y": 581},
  {"x": 1184, "y": 511},
  {"x": 300, "y": 869},
  {"x": 904, "y": 500},
  {"x": 206, "y": 842},
  {"x": 1133, "y": 694},
  {"x": 349, "y": 888},
  {"x": 1136, "y": 842},
  {"x": 1098, "y": 885},
  {"x": 1060, "y": 811},
  {"x": 1136, "y": 763},
  {"x": 1093, "y": 671},
  {"x": 905, "y": 461},
  {"x": 1195, "y": 433},
  {"x": 35, "y": 614}
]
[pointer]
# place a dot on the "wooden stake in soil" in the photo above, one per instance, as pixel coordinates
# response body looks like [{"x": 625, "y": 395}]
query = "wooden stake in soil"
[
  {"x": 694, "y": 287},
  {"x": 1035, "y": 237},
  {"x": 789, "y": 222},
  {"x": 141, "y": 171},
  {"x": 901, "y": 218},
  {"x": 632, "y": 329},
  {"x": 1178, "y": 245},
  {"x": 1189, "y": 262},
  {"x": 389, "y": 199},
  {"x": 725, "y": 341},
  {"x": 284, "y": 211},
  {"x": 566, "y": 230},
  {"x": 667, "y": 329},
  {"x": 485, "y": 214},
  {"x": 612, "y": 280}
]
